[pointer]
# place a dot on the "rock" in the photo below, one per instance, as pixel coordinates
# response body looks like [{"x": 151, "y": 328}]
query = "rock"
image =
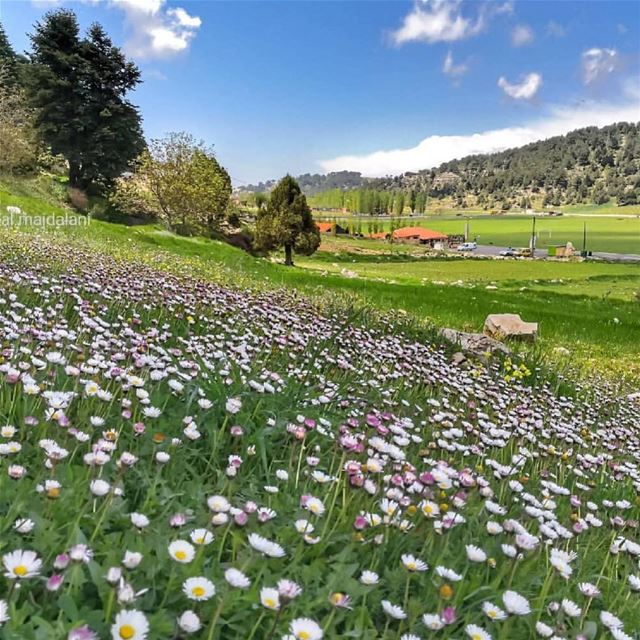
[
  {"x": 475, "y": 343},
  {"x": 458, "y": 357},
  {"x": 509, "y": 325}
]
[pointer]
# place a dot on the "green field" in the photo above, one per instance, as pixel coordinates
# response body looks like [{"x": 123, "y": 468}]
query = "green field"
[
  {"x": 606, "y": 234},
  {"x": 588, "y": 308}
]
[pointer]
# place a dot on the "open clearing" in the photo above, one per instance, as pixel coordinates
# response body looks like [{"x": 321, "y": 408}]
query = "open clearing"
[{"x": 608, "y": 234}]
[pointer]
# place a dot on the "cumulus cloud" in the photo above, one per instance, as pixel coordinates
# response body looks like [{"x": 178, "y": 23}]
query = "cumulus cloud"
[
  {"x": 443, "y": 21},
  {"x": 155, "y": 31},
  {"x": 598, "y": 63},
  {"x": 521, "y": 35},
  {"x": 435, "y": 149},
  {"x": 526, "y": 89},
  {"x": 450, "y": 68}
]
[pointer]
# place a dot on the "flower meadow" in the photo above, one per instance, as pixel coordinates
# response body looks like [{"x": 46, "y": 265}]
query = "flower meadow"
[{"x": 180, "y": 459}]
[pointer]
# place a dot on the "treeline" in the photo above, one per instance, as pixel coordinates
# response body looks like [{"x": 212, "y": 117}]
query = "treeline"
[
  {"x": 590, "y": 165},
  {"x": 372, "y": 201},
  {"x": 64, "y": 111}
]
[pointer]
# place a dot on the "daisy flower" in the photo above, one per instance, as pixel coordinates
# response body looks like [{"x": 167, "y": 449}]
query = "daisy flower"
[
  {"x": 201, "y": 536},
  {"x": 475, "y": 554},
  {"x": 236, "y": 578},
  {"x": 130, "y": 625},
  {"x": 493, "y": 612},
  {"x": 476, "y": 633},
  {"x": 4, "y": 612},
  {"x": 182, "y": 551},
  {"x": 432, "y": 621},
  {"x": 515, "y": 603},
  {"x": 369, "y": 578},
  {"x": 21, "y": 564},
  {"x": 411, "y": 563},
  {"x": 198, "y": 588},
  {"x": 265, "y": 547},
  {"x": 393, "y": 610},
  {"x": 189, "y": 622},
  {"x": 288, "y": 589},
  {"x": 305, "y": 629},
  {"x": 270, "y": 598}
]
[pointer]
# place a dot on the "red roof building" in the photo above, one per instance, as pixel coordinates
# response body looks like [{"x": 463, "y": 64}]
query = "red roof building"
[{"x": 419, "y": 234}]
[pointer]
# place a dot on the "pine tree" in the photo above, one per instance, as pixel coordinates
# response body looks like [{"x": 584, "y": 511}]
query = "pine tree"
[
  {"x": 287, "y": 222},
  {"x": 78, "y": 86}
]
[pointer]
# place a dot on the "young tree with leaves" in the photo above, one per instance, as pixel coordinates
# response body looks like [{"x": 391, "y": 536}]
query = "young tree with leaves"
[
  {"x": 180, "y": 180},
  {"x": 78, "y": 87},
  {"x": 287, "y": 222}
]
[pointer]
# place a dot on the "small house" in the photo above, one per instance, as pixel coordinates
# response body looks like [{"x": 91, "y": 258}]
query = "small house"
[{"x": 419, "y": 235}]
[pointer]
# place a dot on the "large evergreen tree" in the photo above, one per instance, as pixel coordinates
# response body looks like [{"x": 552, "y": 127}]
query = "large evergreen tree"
[
  {"x": 78, "y": 86},
  {"x": 287, "y": 222}
]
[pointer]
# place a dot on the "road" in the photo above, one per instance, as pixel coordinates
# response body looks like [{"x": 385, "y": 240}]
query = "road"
[{"x": 492, "y": 250}]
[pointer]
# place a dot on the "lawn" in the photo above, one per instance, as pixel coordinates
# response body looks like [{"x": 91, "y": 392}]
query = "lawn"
[{"x": 606, "y": 234}]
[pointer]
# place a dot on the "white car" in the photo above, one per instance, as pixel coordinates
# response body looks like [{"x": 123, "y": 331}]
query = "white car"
[{"x": 467, "y": 246}]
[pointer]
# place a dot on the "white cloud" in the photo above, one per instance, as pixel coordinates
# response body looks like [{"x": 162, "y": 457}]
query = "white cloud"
[
  {"x": 521, "y": 35},
  {"x": 449, "y": 67},
  {"x": 443, "y": 21},
  {"x": 155, "y": 31},
  {"x": 526, "y": 89},
  {"x": 598, "y": 63},
  {"x": 435, "y": 149}
]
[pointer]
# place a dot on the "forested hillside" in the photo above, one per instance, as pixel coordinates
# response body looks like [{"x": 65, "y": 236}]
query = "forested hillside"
[{"x": 591, "y": 165}]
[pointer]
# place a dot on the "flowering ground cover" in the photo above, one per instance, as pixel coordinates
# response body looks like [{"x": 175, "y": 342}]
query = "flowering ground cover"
[{"x": 182, "y": 459}]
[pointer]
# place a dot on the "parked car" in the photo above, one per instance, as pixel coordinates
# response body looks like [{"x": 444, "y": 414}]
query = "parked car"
[
  {"x": 467, "y": 246},
  {"x": 509, "y": 253}
]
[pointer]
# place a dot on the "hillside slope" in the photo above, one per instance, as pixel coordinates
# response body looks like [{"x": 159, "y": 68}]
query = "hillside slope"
[{"x": 590, "y": 165}]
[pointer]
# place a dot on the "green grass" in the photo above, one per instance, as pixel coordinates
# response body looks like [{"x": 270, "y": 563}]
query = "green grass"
[
  {"x": 576, "y": 304},
  {"x": 606, "y": 234}
]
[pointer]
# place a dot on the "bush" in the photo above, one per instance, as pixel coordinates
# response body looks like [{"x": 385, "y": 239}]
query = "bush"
[{"x": 78, "y": 199}]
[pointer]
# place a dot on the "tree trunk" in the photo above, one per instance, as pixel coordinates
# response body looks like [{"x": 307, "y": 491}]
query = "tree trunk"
[
  {"x": 74, "y": 173},
  {"x": 288, "y": 255}
]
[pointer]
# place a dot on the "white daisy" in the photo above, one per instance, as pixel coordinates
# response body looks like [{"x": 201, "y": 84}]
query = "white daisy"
[
  {"x": 198, "y": 588},
  {"x": 130, "y": 625}
]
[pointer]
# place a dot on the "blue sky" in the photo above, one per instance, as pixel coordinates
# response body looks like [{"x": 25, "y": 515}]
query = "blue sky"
[{"x": 380, "y": 87}]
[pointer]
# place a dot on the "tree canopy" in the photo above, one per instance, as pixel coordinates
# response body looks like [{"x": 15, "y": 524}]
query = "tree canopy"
[
  {"x": 78, "y": 88},
  {"x": 286, "y": 221},
  {"x": 179, "y": 181}
]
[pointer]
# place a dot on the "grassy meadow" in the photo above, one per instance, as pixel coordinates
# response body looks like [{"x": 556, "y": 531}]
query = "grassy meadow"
[
  {"x": 606, "y": 233},
  {"x": 588, "y": 308},
  {"x": 202, "y": 444}
]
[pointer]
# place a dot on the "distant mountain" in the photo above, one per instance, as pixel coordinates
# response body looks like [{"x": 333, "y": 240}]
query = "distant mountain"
[{"x": 590, "y": 165}]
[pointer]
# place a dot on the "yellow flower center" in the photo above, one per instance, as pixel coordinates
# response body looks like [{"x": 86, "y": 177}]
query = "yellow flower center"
[
  {"x": 476, "y": 636},
  {"x": 200, "y": 540},
  {"x": 180, "y": 555},
  {"x": 492, "y": 614},
  {"x": 428, "y": 509},
  {"x": 127, "y": 631},
  {"x": 20, "y": 570},
  {"x": 411, "y": 566},
  {"x": 54, "y": 492},
  {"x": 198, "y": 592},
  {"x": 304, "y": 635},
  {"x": 269, "y": 602}
]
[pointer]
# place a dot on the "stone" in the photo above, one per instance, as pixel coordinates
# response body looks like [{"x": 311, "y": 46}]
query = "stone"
[
  {"x": 509, "y": 325},
  {"x": 475, "y": 343},
  {"x": 458, "y": 357}
]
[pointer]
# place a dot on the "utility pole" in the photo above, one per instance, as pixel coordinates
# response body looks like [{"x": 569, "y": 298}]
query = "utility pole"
[
  {"x": 532, "y": 243},
  {"x": 466, "y": 231},
  {"x": 584, "y": 240}
]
